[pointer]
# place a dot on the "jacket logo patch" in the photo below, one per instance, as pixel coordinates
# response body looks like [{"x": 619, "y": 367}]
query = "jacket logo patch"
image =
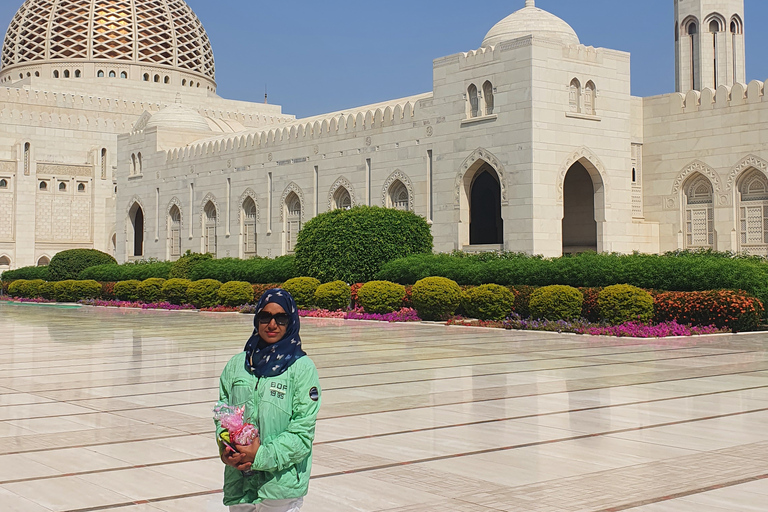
[
  {"x": 314, "y": 394},
  {"x": 278, "y": 390}
]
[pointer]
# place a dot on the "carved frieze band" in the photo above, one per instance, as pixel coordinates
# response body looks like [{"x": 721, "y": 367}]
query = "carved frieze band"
[
  {"x": 65, "y": 170},
  {"x": 480, "y": 154}
]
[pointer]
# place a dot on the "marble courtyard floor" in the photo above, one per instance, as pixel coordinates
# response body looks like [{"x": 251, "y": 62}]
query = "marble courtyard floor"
[{"x": 104, "y": 409}]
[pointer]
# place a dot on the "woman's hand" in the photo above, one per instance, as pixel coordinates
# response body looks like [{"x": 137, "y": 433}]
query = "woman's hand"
[
  {"x": 249, "y": 452},
  {"x": 235, "y": 459}
]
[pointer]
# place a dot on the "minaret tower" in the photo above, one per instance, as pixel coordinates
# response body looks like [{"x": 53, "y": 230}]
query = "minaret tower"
[{"x": 709, "y": 44}]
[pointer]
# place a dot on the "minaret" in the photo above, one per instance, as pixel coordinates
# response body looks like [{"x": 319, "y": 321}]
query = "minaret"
[{"x": 709, "y": 44}]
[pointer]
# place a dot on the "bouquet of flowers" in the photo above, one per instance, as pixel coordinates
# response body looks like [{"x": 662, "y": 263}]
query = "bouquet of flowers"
[{"x": 231, "y": 418}]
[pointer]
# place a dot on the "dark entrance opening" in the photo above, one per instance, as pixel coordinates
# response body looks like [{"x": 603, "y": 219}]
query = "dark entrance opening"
[
  {"x": 138, "y": 232},
  {"x": 486, "y": 226},
  {"x": 579, "y": 224}
]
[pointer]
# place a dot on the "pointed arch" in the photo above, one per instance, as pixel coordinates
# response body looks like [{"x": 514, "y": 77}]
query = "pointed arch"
[
  {"x": 401, "y": 177},
  {"x": 341, "y": 182},
  {"x": 292, "y": 188},
  {"x": 749, "y": 161},
  {"x": 475, "y": 160},
  {"x": 245, "y": 195},
  {"x": 590, "y": 160},
  {"x": 135, "y": 228}
]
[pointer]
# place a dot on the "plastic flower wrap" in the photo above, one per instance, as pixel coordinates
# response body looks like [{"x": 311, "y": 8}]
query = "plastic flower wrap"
[{"x": 231, "y": 418}]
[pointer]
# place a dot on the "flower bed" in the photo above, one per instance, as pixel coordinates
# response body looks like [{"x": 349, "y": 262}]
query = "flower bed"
[{"x": 136, "y": 305}]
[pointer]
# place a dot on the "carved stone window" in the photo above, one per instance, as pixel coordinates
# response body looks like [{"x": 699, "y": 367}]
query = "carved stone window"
[
  {"x": 589, "y": 98},
  {"x": 753, "y": 214},
  {"x": 250, "y": 213},
  {"x": 488, "y": 97},
  {"x": 474, "y": 101},
  {"x": 174, "y": 238},
  {"x": 398, "y": 196},
  {"x": 342, "y": 200},
  {"x": 292, "y": 221},
  {"x": 699, "y": 214},
  {"x": 574, "y": 97},
  {"x": 209, "y": 229},
  {"x": 3, "y": 184}
]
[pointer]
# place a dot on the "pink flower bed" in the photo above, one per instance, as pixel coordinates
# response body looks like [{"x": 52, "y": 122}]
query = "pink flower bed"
[
  {"x": 136, "y": 305},
  {"x": 404, "y": 315},
  {"x": 638, "y": 330}
]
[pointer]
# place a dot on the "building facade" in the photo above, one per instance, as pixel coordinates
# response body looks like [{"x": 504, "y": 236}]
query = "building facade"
[{"x": 531, "y": 143}]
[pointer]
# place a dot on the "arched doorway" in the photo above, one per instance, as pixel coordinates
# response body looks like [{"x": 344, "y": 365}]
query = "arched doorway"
[
  {"x": 579, "y": 222},
  {"x": 486, "y": 227},
  {"x": 136, "y": 217}
]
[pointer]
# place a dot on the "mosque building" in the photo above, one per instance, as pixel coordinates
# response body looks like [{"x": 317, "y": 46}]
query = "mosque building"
[{"x": 112, "y": 137}]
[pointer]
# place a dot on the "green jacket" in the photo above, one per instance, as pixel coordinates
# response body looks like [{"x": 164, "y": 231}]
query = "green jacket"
[{"x": 284, "y": 409}]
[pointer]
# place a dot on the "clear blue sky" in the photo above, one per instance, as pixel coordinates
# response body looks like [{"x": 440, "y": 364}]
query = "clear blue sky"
[{"x": 319, "y": 57}]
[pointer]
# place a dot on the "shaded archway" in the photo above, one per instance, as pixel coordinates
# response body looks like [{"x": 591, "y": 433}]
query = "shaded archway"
[
  {"x": 486, "y": 227},
  {"x": 136, "y": 223},
  {"x": 579, "y": 219}
]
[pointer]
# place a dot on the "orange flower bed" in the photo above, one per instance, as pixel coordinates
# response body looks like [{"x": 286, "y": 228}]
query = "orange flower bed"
[{"x": 734, "y": 310}]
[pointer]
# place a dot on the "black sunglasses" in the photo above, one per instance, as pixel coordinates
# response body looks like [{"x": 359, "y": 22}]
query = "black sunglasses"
[{"x": 265, "y": 318}]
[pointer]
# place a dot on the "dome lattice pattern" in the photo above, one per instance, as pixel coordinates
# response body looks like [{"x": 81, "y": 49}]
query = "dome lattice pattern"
[{"x": 156, "y": 32}]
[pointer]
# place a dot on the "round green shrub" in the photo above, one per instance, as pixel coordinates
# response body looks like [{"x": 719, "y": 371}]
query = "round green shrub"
[
  {"x": 436, "y": 298},
  {"x": 204, "y": 293},
  {"x": 151, "y": 290},
  {"x": 67, "y": 265},
  {"x": 333, "y": 296},
  {"x": 235, "y": 293},
  {"x": 174, "y": 291},
  {"x": 303, "y": 290},
  {"x": 488, "y": 302},
  {"x": 183, "y": 267},
  {"x": 73, "y": 291},
  {"x": 47, "y": 290},
  {"x": 25, "y": 289},
  {"x": 128, "y": 290},
  {"x": 381, "y": 296},
  {"x": 556, "y": 302},
  {"x": 352, "y": 245},
  {"x": 623, "y": 303}
]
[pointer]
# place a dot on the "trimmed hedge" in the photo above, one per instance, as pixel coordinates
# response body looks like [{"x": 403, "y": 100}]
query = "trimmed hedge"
[
  {"x": 488, "y": 302},
  {"x": 72, "y": 291},
  {"x": 726, "y": 309},
  {"x": 128, "y": 290},
  {"x": 254, "y": 270},
  {"x": 381, "y": 297},
  {"x": 204, "y": 293},
  {"x": 623, "y": 303},
  {"x": 174, "y": 291},
  {"x": 556, "y": 303},
  {"x": 22, "y": 288},
  {"x": 680, "y": 271},
  {"x": 47, "y": 290},
  {"x": 27, "y": 273},
  {"x": 436, "y": 298},
  {"x": 235, "y": 293},
  {"x": 183, "y": 267},
  {"x": 140, "y": 271},
  {"x": 352, "y": 245},
  {"x": 333, "y": 296},
  {"x": 67, "y": 265},
  {"x": 150, "y": 290},
  {"x": 303, "y": 290}
]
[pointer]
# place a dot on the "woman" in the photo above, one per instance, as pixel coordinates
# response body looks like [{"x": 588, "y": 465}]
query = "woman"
[{"x": 279, "y": 387}]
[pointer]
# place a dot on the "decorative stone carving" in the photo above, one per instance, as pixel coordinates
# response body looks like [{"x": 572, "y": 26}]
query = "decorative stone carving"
[
  {"x": 400, "y": 176},
  {"x": 65, "y": 170},
  {"x": 142, "y": 122},
  {"x": 135, "y": 200},
  {"x": 248, "y": 193},
  {"x": 487, "y": 157},
  {"x": 582, "y": 153},
  {"x": 210, "y": 198},
  {"x": 292, "y": 187},
  {"x": 7, "y": 167},
  {"x": 701, "y": 168},
  {"x": 341, "y": 182},
  {"x": 748, "y": 162},
  {"x": 175, "y": 202}
]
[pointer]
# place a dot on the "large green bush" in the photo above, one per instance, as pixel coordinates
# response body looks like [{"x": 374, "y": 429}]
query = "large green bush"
[
  {"x": 67, "y": 265},
  {"x": 381, "y": 296},
  {"x": 25, "y": 289},
  {"x": 303, "y": 290},
  {"x": 679, "y": 271},
  {"x": 235, "y": 293},
  {"x": 333, "y": 296},
  {"x": 624, "y": 303},
  {"x": 204, "y": 293},
  {"x": 128, "y": 290},
  {"x": 47, "y": 290},
  {"x": 556, "y": 303},
  {"x": 72, "y": 291},
  {"x": 183, "y": 267},
  {"x": 254, "y": 270},
  {"x": 175, "y": 291},
  {"x": 488, "y": 302},
  {"x": 436, "y": 298},
  {"x": 140, "y": 270},
  {"x": 352, "y": 245},
  {"x": 28, "y": 273},
  {"x": 150, "y": 290}
]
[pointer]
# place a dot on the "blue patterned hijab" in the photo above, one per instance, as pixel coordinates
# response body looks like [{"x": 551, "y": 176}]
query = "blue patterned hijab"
[{"x": 265, "y": 360}]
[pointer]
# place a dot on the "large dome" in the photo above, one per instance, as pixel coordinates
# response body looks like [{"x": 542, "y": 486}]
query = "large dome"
[
  {"x": 531, "y": 20},
  {"x": 143, "y": 35}
]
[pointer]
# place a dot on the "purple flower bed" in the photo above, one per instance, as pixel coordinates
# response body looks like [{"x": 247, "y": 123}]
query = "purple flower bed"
[
  {"x": 30, "y": 301},
  {"x": 136, "y": 305},
  {"x": 626, "y": 330}
]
